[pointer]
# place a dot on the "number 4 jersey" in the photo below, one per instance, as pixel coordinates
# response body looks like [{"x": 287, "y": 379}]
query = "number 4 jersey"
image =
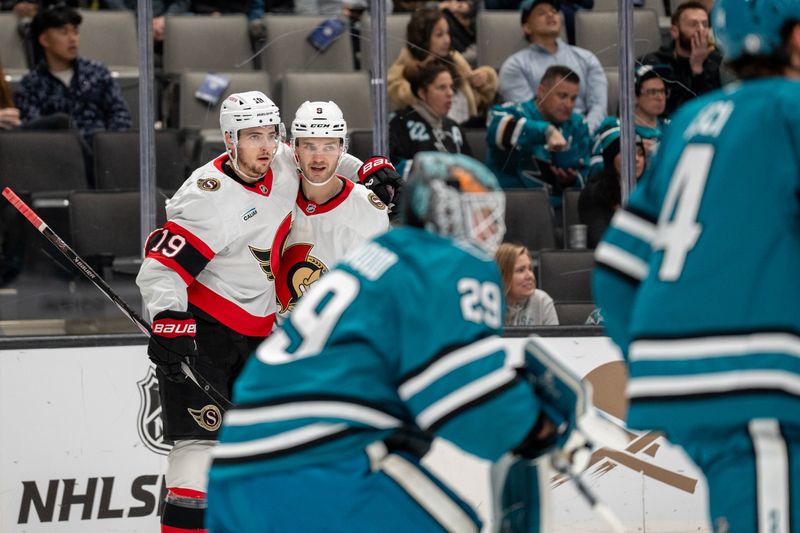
[
  {"x": 697, "y": 277},
  {"x": 379, "y": 343}
]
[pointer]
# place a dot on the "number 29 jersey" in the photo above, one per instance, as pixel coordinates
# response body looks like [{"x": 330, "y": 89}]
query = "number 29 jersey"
[
  {"x": 697, "y": 277},
  {"x": 380, "y": 343}
]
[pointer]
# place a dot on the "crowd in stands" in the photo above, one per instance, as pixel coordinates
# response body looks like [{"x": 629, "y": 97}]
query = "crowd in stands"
[{"x": 544, "y": 113}]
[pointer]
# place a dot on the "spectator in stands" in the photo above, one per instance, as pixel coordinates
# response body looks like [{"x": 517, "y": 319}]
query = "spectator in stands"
[
  {"x": 424, "y": 126},
  {"x": 10, "y": 115},
  {"x": 428, "y": 38},
  {"x": 651, "y": 102},
  {"x": 525, "y": 304},
  {"x": 63, "y": 82},
  {"x": 602, "y": 195},
  {"x": 460, "y": 16},
  {"x": 694, "y": 59},
  {"x": 542, "y": 142},
  {"x": 522, "y": 72}
]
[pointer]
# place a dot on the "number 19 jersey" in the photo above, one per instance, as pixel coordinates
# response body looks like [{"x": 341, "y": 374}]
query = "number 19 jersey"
[{"x": 697, "y": 276}]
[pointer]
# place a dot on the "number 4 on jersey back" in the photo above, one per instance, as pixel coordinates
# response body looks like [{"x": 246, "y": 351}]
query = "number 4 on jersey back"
[{"x": 678, "y": 229}]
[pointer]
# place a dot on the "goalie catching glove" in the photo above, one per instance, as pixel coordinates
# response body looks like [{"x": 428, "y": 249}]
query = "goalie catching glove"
[
  {"x": 379, "y": 175},
  {"x": 172, "y": 343},
  {"x": 569, "y": 427}
]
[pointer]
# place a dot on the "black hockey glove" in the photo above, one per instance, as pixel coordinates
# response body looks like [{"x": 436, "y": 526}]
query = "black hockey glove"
[
  {"x": 172, "y": 343},
  {"x": 379, "y": 175}
]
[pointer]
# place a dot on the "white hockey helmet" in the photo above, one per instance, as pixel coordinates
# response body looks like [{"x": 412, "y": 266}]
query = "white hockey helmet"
[
  {"x": 251, "y": 109},
  {"x": 319, "y": 119}
]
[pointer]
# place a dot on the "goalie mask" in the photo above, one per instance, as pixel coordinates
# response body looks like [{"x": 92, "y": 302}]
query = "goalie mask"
[
  {"x": 455, "y": 196},
  {"x": 319, "y": 120},
  {"x": 251, "y": 109}
]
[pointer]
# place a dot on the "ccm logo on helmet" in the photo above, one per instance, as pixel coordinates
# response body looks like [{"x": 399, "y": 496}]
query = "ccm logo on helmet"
[{"x": 174, "y": 328}]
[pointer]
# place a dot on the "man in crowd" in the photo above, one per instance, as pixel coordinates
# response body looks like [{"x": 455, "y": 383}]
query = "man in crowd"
[
  {"x": 522, "y": 72},
  {"x": 542, "y": 142},
  {"x": 64, "y": 82},
  {"x": 692, "y": 56}
]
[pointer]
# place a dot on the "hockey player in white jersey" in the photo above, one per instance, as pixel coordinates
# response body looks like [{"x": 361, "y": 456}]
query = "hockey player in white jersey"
[
  {"x": 332, "y": 214},
  {"x": 208, "y": 274}
]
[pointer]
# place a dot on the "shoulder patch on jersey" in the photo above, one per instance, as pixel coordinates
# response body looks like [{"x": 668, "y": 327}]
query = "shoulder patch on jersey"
[
  {"x": 374, "y": 200},
  {"x": 208, "y": 184}
]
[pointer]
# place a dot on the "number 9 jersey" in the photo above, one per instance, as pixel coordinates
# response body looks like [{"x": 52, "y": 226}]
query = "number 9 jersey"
[
  {"x": 378, "y": 344},
  {"x": 697, "y": 276}
]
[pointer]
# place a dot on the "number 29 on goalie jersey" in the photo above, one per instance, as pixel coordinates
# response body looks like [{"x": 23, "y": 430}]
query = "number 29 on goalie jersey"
[{"x": 368, "y": 350}]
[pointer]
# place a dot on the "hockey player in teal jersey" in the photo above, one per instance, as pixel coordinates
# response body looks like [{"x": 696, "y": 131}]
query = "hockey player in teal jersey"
[
  {"x": 396, "y": 344},
  {"x": 698, "y": 283}
]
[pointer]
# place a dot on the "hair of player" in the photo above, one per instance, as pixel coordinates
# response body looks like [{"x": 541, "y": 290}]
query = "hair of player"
[
  {"x": 420, "y": 29},
  {"x": 691, "y": 4},
  {"x": 506, "y": 257},
  {"x": 421, "y": 76},
  {"x": 559, "y": 73},
  {"x": 753, "y": 66}
]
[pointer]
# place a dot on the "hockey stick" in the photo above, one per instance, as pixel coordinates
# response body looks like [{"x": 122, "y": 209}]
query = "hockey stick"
[{"x": 213, "y": 394}]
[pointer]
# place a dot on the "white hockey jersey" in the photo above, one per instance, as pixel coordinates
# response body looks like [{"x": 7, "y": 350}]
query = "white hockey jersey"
[
  {"x": 322, "y": 234},
  {"x": 216, "y": 250}
]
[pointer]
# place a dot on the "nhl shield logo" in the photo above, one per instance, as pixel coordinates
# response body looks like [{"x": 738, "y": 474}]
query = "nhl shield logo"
[{"x": 149, "y": 427}]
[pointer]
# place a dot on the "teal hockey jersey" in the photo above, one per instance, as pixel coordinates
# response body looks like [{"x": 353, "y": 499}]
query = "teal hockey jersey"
[
  {"x": 517, "y": 154},
  {"x": 402, "y": 334},
  {"x": 697, "y": 276}
]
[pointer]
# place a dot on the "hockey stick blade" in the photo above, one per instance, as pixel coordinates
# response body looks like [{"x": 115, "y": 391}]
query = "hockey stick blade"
[{"x": 191, "y": 373}]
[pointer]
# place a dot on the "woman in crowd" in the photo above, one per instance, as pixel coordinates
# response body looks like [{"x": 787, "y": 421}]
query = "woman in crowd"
[
  {"x": 424, "y": 125},
  {"x": 602, "y": 194},
  {"x": 525, "y": 304},
  {"x": 428, "y": 38}
]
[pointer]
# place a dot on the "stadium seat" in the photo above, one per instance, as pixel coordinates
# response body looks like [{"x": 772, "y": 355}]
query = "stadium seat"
[
  {"x": 105, "y": 224},
  {"x": 12, "y": 48},
  {"x": 110, "y": 37},
  {"x": 360, "y": 143},
  {"x": 529, "y": 218},
  {"x": 476, "y": 137},
  {"x": 566, "y": 275},
  {"x": 208, "y": 43},
  {"x": 573, "y": 313},
  {"x": 116, "y": 160},
  {"x": 38, "y": 161},
  {"x": 396, "y": 25},
  {"x": 612, "y": 75},
  {"x": 350, "y": 91},
  {"x": 499, "y": 34},
  {"x": 598, "y": 31},
  {"x": 194, "y": 113},
  {"x": 288, "y": 49},
  {"x": 569, "y": 210}
]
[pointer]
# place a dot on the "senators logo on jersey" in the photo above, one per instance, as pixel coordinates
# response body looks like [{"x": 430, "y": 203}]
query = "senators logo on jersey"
[{"x": 299, "y": 270}]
